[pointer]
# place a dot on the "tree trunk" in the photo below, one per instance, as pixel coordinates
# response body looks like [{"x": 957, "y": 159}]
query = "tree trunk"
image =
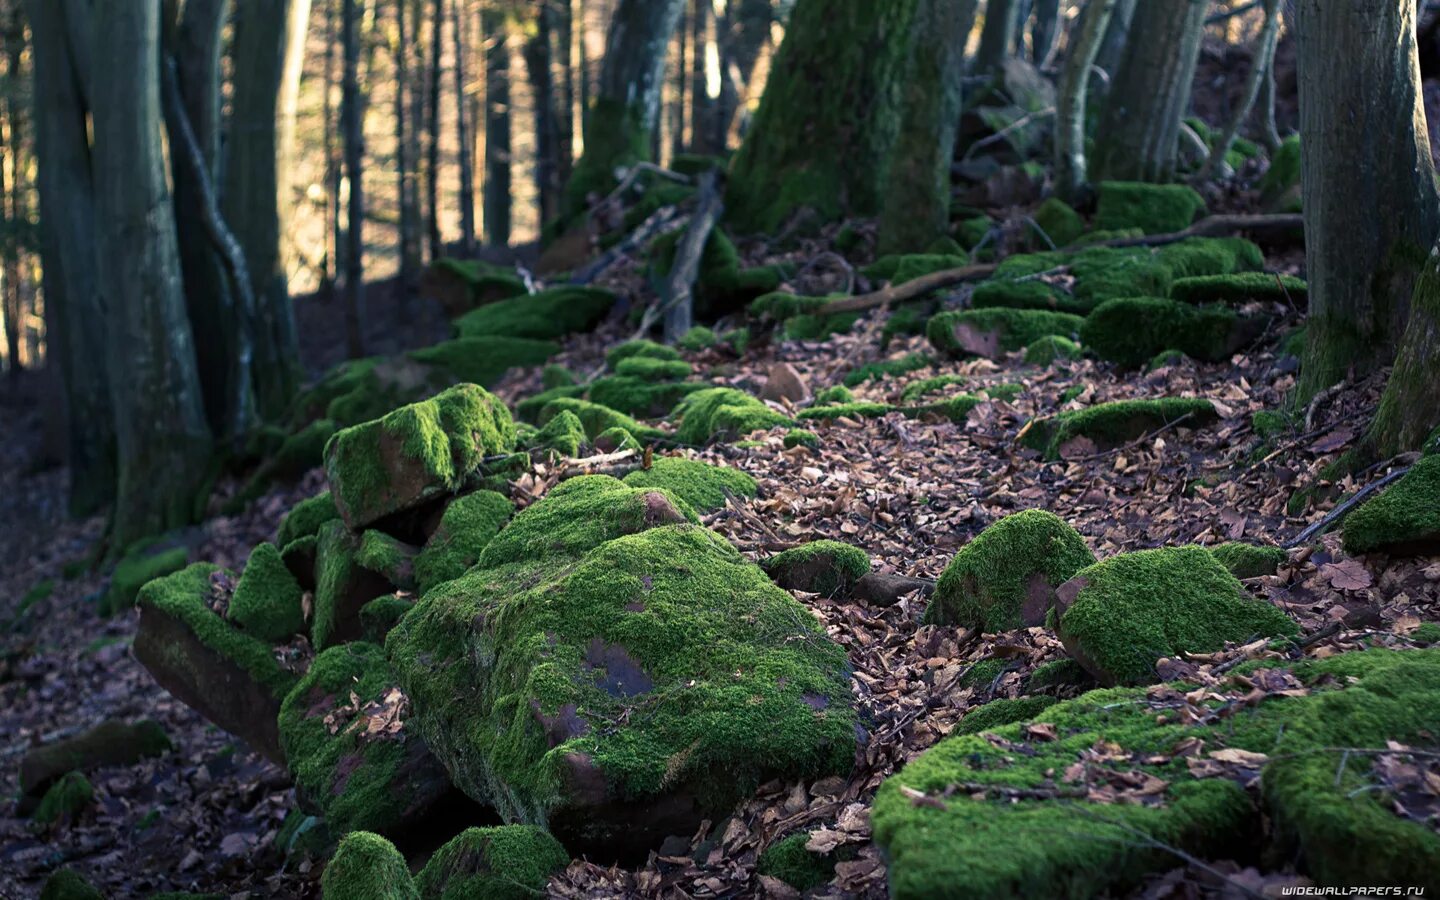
[
  {"x": 627, "y": 99},
  {"x": 1002, "y": 21},
  {"x": 12, "y": 194},
  {"x": 1070, "y": 169},
  {"x": 1139, "y": 134},
  {"x": 679, "y": 106},
  {"x": 1371, "y": 210},
  {"x": 416, "y": 128},
  {"x": 353, "y": 133},
  {"x": 497, "y": 129},
  {"x": 74, "y": 314},
  {"x": 1410, "y": 407},
  {"x": 1112, "y": 48},
  {"x": 252, "y": 195},
  {"x": 1259, "y": 67},
  {"x": 404, "y": 161},
  {"x": 1045, "y": 35},
  {"x": 432, "y": 153},
  {"x": 333, "y": 165},
  {"x": 916, "y": 207},
  {"x": 464, "y": 150},
  {"x": 741, "y": 38},
  {"x": 707, "y": 136},
  {"x": 563, "y": 16},
  {"x": 164, "y": 446},
  {"x": 820, "y": 144},
  {"x": 292, "y": 70},
  {"x": 538, "y": 66}
]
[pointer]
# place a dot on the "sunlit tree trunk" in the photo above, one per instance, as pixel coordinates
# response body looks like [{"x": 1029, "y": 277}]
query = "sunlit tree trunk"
[
  {"x": 741, "y": 38},
  {"x": 432, "y": 150},
  {"x": 353, "y": 132},
  {"x": 404, "y": 145},
  {"x": 1070, "y": 167}
]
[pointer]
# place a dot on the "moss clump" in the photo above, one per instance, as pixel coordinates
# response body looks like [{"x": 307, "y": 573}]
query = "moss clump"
[
  {"x": 918, "y": 389},
  {"x": 138, "y": 567},
  {"x": 1111, "y": 424},
  {"x": 983, "y": 673},
  {"x": 886, "y": 368},
  {"x": 1034, "y": 294},
  {"x": 902, "y": 268},
  {"x": 508, "y": 862},
  {"x": 1131, "y": 331},
  {"x": 528, "y": 410},
  {"x": 988, "y": 332},
  {"x": 485, "y": 282},
  {"x": 1104, "y": 273},
  {"x": 1427, "y": 633},
  {"x": 699, "y": 484},
  {"x": 1060, "y": 222},
  {"x": 854, "y": 410},
  {"x": 545, "y": 316},
  {"x": 647, "y": 368},
  {"x": 697, "y": 339},
  {"x": 789, "y": 861},
  {"x": 1404, "y": 519},
  {"x": 1058, "y": 674},
  {"x": 819, "y": 567},
  {"x": 1245, "y": 287},
  {"x": 613, "y": 440},
  {"x": 706, "y": 414},
  {"x": 367, "y": 867},
  {"x": 800, "y": 316},
  {"x": 1156, "y": 208},
  {"x": 834, "y": 396},
  {"x": 594, "y": 608},
  {"x": 597, "y": 418},
  {"x": 468, "y": 525},
  {"x": 415, "y": 452},
  {"x": 1166, "y": 359},
  {"x": 800, "y": 437},
  {"x": 484, "y": 360},
  {"x": 267, "y": 601},
  {"x": 1283, "y": 176},
  {"x": 388, "y": 557},
  {"x": 999, "y": 713},
  {"x": 1249, "y": 560},
  {"x": 1135, "y": 608},
  {"x": 640, "y": 349},
  {"x": 1005, "y": 578},
  {"x": 64, "y": 801},
  {"x": 562, "y": 436},
  {"x": 1198, "y": 257},
  {"x": 380, "y": 615},
  {"x": 67, "y": 884},
  {"x": 1046, "y": 350},
  {"x": 555, "y": 375},
  {"x": 306, "y": 517},
  {"x": 637, "y": 397}
]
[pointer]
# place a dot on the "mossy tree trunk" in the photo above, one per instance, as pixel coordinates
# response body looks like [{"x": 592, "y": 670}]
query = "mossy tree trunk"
[
  {"x": 1410, "y": 407},
  {"x": 74, "y": 316},
  {"x": 163, "y": 442},
  {"x": 828, "y": 119},
  {"x": 916, "y": 204},
  {"x": 1371, "y": 211},
  {"x": 1070, "y": 167},
  {"x": 627, "y": 98},
  {"x": 997, "y": 37},
  {"x": 1139, "y": 133},
  {"x": 497, "y": 128}
]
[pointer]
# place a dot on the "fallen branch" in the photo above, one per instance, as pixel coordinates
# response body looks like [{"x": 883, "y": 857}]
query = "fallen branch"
[
  {"x": 1343, "y": 508},
  {"x": 659, "y": 222},
  {"x": 677, "y": 296}
]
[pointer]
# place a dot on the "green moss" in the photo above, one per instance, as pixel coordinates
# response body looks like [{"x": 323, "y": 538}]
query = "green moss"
[
  {"x": 267, "y": 601},
  {"x": 367, "y": 867},
  {"x": 1000, "y": 293},
  {"x": 647, "y": 368},
  {"x": 919, "y": 389},
  {"x": 1427, "y": 633},
  {"x": 800, "y": 316},
  {"x": 387, "y": 556},
  {"x": 1249, "y": 560},
  {"x": 699, "y": 484},
  {"x": 1284, "y": 172},
  {"x": 1009, "y": 329},
  {"x": 1131, "y": 331},
  {"x": 1058, "y": 674},
  {"x": 1007, "y": 392},
  {"x": 982, "y": 674},
  {"x": 1242, "y": 288},
  {"x": 1198, "y": 257},
  {"x": 639, "y": 349},
  {"x": 334, "y": 573},
  {"x": 380, "y": 615},
  {"x": 1118, "y": 422},
  {"x": 1060, "y": 222},
  {"x": 888, "y": 368},
  {"x": 1157, "y": 208},
  {"x": 306, "y": 517},
  {"x": 485, "y": 360},
  {"x": 789, "y": 861},
  {"x": 697, "y": 339},
  {"x": 852, "y": 410},
  {"x": 907, "y": 267},
  {"x": 67, "y": 884},
  {"x": 1104, "y": 273},
  {"x": 509, "y": 862},
  {"x": 999, "y": 713},
  {"x": 1004, "y": 578},
  {"x": 529, "y": 409},
  {"x": 555, "y": 375},
  {"x": 545, "y": 316},
  {"x": 818, "y": 567},
  {"x": 136, "y": 569},
  {"x": 834, "y": 395},
  {"x": 1138, "y": 607},
  {"x": 65, "y": 800},
  {"x": 637, "y": 397},
  {"x": 707, "y": 414},
  {"x": 1268, "y": 423},
  {"x": 598, "y": 418},
  {"x": 613, "y": 440},
  {"x": 969, "y": 232},
  {"x": 1166, "y": 359},
  {"x": 563, "y": 435},
  {"x": 487, "y": 282},
  {"x": 1046, "y": 350},
  {"x": 39, "y": 592},
  {"x": 800, "y": 437},
  {"x": 1071, "y": 392},
  {"x": 1404, "y": 518}
]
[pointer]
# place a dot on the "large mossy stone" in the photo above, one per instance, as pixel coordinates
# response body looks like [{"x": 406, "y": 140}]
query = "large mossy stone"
[
  {"x": 367, "y": 867},
  {"x": 700, "y": 484},
  {"x": 616, "y": 674},
  {"x": 1106, "y": 426},
  {"x": 356, "y": 757},
  {"x": 415, "y": 453},
  {"x": 141, "y": 564},
  {"x": 342, "y": 586},
  {"x": 1404, "y": 519},
  {"x": 1154, "y": 208},
  {"x": 1006, "y": 577},
  {"x": 1130, "y": 331},
  {"x": 507, "y": 862},
  {"x": 229, "y": 677},
  {"x": 992, "y": 333},
  {"x": 547, "y": 315},
  {"x": 721, "y": 411},
  {"x": 1122, "y": 614},
  {"x": 1063, "y": 841},
  {"x": 819, "y": 567},
  {"x": 111, "y": 743},
  {"x": 268, "y": 601},
  {"x": 305, "y": 518},
  {"x": 468, "y": 525}
]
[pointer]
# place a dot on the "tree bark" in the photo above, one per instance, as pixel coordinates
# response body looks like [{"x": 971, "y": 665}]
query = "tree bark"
[
  {"x": 404, "y": 160},
  {"x": 563, "y": 15},
  {"x": 164, "y": 445},
  {"x": 1259, "y": 68},
  {"x": 353, "y": 133},
  {"x": 1112, "y": 48},
  {"x": 1371, "y": 209},
  {"x": 1045, "y": 34},
  {"x": 1070, "y": 168},
  {"x": 497, "y": 129},
  {"x": 1150, "y": 93},
  {"x": 1410, "y": 407},
  {"x": 415, "y": 129},
  {"x": 12, "y": 194},
  {"x": 539, "y": 67},
  {"x": 464, "y": 150},
  {"x": 707, "y": 135},
  {"x": 432, "y": 152},
  {"x": 741, "y": 38},
  {"x": 1002, "y": 21},
  {"x": 820, "y": 144},
  {"x": 916, "y": 207},
  {"x": 679, "y": 105},
  {"x": 74, "y": 312}
]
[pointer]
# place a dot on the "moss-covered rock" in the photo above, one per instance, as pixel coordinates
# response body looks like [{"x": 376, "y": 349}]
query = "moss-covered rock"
[
  {"x": 111, "y": 743},
  {"x": 639, "y": 397},
  {"x": 1002, "y": 712},
  {"x": 717, "y": 411},
  {"x": 1245, "y": 287},
  {"x": 466, "y": 528},
  {"x": 67, "y": 884},
  {"x": 995, "y": 332},
  {"x": 886, "y": 368},
  {"x": 388, "y": 557},
  {"x": 1058, "y": 675},
  {"x": 1120, "y": 615},
  {"x": 1130, "y": 331},
  {"x": 1109, "y": 425},
  {"x": 1156, "y": 208},
  {"x": 356, "y": 758},
  {"x": 801, "y": 437},
  {"x": 1105, "y": 273},
  {"x": 367, "y": 867},
  {"x": 229, "y": 677},
  {"x": 917, "y": 390},
  {"x": 529, "y": 409},
  {"x": 481, "y": 360},
  {"x": 343, "y": 585},
  {"x": 640, "y": 349},
  {"x": 1198, "y": 257},
  {"x": 835, "y": 395},
  {"x": 415, "y": 453},
  {"x": 1046, "y": 350},
  {"x": 463, "y": 284},
  {"x": 64, "y": 801},
  {"x": 306, "y": 517},
  {"x": 139, "y": 566},
  {"x": 1060, "y": 222},
  {"x": 802, "y": 869},
  {"x": 999, "y": 293},
  {"x": 1269, "y": 423},
  {"x": 508, "y": 862},
  {"x": 699, "y": 484},
  {"x": 800, "y": 316},
  {"x": 630, "y": 675},
  {"x": 545, "y": 316},
  {"x": 379, "y": 616},
  {"x": 1343, "y": 831},
  {"x": 1006, "y": 577},
  {"x": 1404, "y": 519},
  {"x": 1249, "y": 560},
  {"x": 267, "y": 600},
  {"x": 819, "y": 567},
  {"x": 598, "y": 418},
  {"x": 615, "y": 439},
  {"x": 562, "y": 436},
  {"x": 697, "y": 339},
  {"x": 1280, "y": 185},
  {"x": 647, "y": 368}
]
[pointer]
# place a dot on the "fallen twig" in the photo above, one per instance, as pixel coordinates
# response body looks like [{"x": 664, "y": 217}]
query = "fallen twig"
[{"x": 1343, "y": 508}]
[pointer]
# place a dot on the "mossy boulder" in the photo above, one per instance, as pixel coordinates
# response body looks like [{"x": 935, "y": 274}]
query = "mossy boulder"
[
  {"x": 1058, "y": 675},
  {"x": 1120, "y": 615},
  {"x": 67, "y": 884},
  {"x": 640, "y": 349},
  {"x": 697, "y": 339},
  {"x": 463, "y": 284},
  {"x": 388, "y": 557},
  {"x": 648, "y": 368},
  {"x": 468, "y": 525},
  {"x": 1105, "y": 273},
  {"x": 1280, "y": 185},
  {"x": 268, "y": 600},
  {"x": 1404, "y": 519},
  {"x": 1060, "y": 222},
  {"x": 343, "y": 585},
  {"x": 699, "y": 484},
  {"x": 801, "y": 437},
  {"x": 1132, "y": 330},
  {"x": 994, "y": 332},
  {"x": 306, "y": 517},
  {"x": 788, "y": 860},
  {"x": 640, "y": 397},
  {"x": 887, "y": 368},
  {"x": 1249, "y": 560},
  {"x": 508, "y": 862},
  {"x": 416, "y": 453},
  {"x": 1109, "y": 425},
  {"x": 111, "y": 743},
  {"x": 616, "y": 674},
  {"x": 1155, "y": 208},
  {"x": 1342, "y": 831},
  {"x": 481, "y": 360},
  {"x": 562, "y": 436},
  {"x": 819, "y": 567},
  {"x": 356, "y": 758},
  {"x": 1002, "y": 712},
  {"x": 380, "y": 615},
  {"x": 1047, "y": 350},
  {"x": 229, "y": 677},
  {"x": 1241, "y": 288},
  {"x": 367, "y": 867},
  {"x": 529, "y": 409},
  {"x": 1006, "y": 577},
  {"x": 719, "y": 411},
  {"x": 1199, "y": 257},
  {"x": 597, "y": 418},
  {"x": 545, "y": 316},
  {"x": 1000, "y": 293},
  {"x": 141, "y": 564},
  {"x": 615, "y": 439}
]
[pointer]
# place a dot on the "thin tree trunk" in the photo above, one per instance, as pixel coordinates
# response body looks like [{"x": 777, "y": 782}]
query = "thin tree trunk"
[
  {"x": 916, "y": 207},
  {"x": 1371, "y": 210},
  {"x": 1138, "y": 138},
  {"x": 415, "y": 129},
  {"x": 1259, "y": 67},
  {"x": 352, "y": 129},
  {"x": 547, "y": 131},
  {"x": 432, "y": 174},
  {"x": 998, "y": 36},
  {"x": 497, "y": 129},
  {"x": 164, "y": 445},
  {"x": 404, "y": 162},
  {"x": 703, "y": 106},
  {"x": 1070, "y": 168},
  {"x": 741, "y": 39},
  {"x": 682, "y": 75},
  {"x": 1269, "y": 131},
  {"x": 1112, "y": 48},
  {"x": 1045, "y": 35},
  {"x": 464, "y": 150},
  {"x": 11, "y": 149},
  {"x": 292, "y": 71},
  {"x": 564, "y": 28},
  {"x": 330, "y": 267}
]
